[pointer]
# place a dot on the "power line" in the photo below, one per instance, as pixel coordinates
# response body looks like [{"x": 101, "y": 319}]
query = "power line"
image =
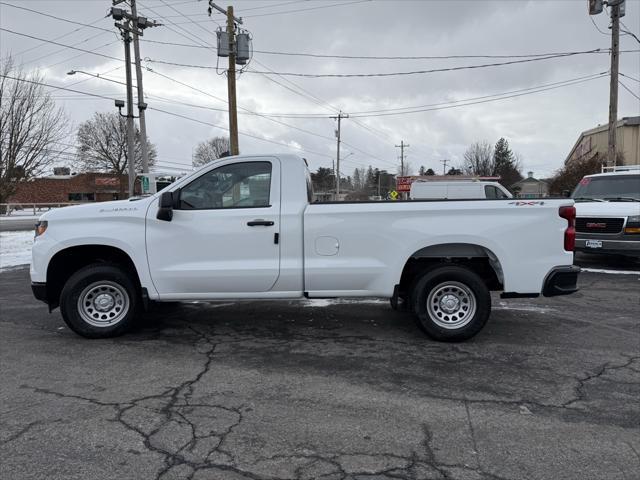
[
  {"x": 446, "y": 107},
  {"x": 343, "y": 4},
  {"x": 414, "y": 107},
  {"x": 60, "y": 44},
  {"x": 420, "y": 72},
  {"x": 629, "y": 76},
  {"x": 596, "y": 25},
  {"x": 386, "y": 74},
  {"x": 413, "y": 57},
  {"x": 83, "y": 24},
  {"x": 628, "y": 89},
  {"x": 275, "y": 142},
  {"x": 187, "y": 34},
  {"x": 272, "y": 6},
  {"x": 629, "y": 32},
  {"x": 56, "y": 87}
]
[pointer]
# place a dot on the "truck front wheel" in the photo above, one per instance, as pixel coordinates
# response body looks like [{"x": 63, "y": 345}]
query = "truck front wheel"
[
  {"x": 451, "y": 303},
  {"x": 99, "y": 301}
]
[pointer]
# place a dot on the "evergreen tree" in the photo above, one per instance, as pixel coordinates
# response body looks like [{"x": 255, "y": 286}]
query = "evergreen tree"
[
  {"x": 506, "y": 164},
  {"x": 429, "y": 172},
  {"x": 323, "y": 180},
  {"x": 357, "y": 181},
  {"x": 370, "y": 183}
]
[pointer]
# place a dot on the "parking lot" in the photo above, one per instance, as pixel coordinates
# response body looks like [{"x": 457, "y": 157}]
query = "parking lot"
[{"x": 328, "y": 390}]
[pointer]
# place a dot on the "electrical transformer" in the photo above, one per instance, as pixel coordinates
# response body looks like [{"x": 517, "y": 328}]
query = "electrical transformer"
[
  {"x": 223, "y": 43},
  {"x": 243, "y": 48}
]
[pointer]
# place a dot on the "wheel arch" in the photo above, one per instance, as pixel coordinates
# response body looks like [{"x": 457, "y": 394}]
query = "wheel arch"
[
  {"x": 69, "y": 260},
  {"x": 476, "y": 258}
]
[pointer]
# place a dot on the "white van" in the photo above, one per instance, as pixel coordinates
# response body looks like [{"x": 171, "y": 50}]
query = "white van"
[{"x": 457, "y": 189}]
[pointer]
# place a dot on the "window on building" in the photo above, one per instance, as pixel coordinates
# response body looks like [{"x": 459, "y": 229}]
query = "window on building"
[
  {"x": 82, "y": 197},
  {"x": 237, "y": 185}
]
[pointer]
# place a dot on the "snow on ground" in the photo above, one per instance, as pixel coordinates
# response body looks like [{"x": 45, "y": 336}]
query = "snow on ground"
[
  {"x": 21, "y": 218},
  {"x": 15, "y": 248}
]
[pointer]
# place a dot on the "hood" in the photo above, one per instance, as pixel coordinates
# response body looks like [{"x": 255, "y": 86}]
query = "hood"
[
  {"x": 607, "y": 209},
  {"x": 121, "y": 208}
]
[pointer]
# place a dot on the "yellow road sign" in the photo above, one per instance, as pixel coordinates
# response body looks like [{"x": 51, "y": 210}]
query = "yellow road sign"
[{"x": 393, "y": 194}]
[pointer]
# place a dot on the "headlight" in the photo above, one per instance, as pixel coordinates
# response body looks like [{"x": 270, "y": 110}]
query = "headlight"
[
  {"x": 41, "y": 227},
  {"x": 633, "y": 225}
]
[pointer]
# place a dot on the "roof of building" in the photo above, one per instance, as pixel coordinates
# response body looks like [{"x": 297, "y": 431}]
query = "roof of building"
[{"x": 529, "y": 180}]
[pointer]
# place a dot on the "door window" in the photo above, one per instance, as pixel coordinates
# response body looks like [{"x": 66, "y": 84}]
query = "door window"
[
  {"x": 491, "y": 191},
  {"x": 237, "y": 185}
]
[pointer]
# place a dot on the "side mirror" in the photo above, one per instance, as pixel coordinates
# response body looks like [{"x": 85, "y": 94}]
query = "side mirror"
[{"x": 165, "y": 207}]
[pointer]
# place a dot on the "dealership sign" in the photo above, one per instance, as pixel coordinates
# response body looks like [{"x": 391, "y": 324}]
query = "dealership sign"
[{"x": 403, "y": 184}]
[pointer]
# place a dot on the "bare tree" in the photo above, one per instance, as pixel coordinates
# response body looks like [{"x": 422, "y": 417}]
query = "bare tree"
[
  {"x": 30, "y": 126},
  {"x": 405, "y": 169},
  {"x": 478, "y": 159},
  {"x": 210, "y": 150},
  {"x": 102, "y": 146}
]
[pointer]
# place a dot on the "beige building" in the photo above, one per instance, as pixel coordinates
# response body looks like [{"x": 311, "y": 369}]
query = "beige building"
[
  {"x": 596, "y": 141},
  {"x": 530, "y": 187}
]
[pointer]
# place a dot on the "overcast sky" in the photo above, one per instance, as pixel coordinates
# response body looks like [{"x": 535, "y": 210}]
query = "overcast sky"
[{"x": 541, "y": 126}]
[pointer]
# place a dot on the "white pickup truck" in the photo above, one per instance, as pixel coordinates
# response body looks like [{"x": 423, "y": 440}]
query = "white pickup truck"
[{"x": 245, "y": 228}]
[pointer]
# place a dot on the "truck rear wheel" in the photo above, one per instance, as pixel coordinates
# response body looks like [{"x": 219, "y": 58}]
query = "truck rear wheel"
[
  {"x": 451, "y": 303},
  {"x": 99, "y": 301}
]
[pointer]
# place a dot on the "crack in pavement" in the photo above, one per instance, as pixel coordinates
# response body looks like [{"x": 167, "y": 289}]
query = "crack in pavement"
[{"x": 579, "y": 392}]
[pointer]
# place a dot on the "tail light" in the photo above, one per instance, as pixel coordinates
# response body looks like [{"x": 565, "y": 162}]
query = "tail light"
[{"x": 569, "y": 213}]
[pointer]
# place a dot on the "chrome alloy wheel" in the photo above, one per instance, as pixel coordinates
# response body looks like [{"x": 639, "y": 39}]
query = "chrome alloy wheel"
[
  {"x": 451, "y": 305},
  {"x": 103, "y": 303}
]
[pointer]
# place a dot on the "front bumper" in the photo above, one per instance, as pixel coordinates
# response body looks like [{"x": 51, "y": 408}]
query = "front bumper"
[
  {"x": 621, "y": 247},
  {"x": 561, "y": 281}
]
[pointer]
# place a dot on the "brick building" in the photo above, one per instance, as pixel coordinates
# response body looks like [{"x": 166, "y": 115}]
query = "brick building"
[{"x": 82, "y": 187}]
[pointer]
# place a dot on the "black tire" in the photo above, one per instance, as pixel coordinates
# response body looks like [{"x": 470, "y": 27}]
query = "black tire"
[
  {"x": 112, "y": 287},
  {"x": 460, "y": 303}
]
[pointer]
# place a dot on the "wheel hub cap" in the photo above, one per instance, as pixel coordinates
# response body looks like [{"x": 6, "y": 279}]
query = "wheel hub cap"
[
  {"x": 104, "y": 302},
  {"x": 450, "y": 303}
]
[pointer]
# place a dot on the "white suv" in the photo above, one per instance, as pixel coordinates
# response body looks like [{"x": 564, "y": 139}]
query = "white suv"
[{"x": 608, "y": 212}]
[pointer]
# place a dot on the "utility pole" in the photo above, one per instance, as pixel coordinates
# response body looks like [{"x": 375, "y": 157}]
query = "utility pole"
[
  {"x": 231, "y": 84},
  {"x": 231, "y": 73},
  {"x": 130, "y": 25},
  {"x": 617, "y": 10},
  {"x": 613, "y": 86},
  {"x": 444, "y": 166},
  {"x": 131, "y": 161},
  {"x": 339, "y": 117},
  {"x": 141, "y": 105},
  {"x": 402, "y": 146}
]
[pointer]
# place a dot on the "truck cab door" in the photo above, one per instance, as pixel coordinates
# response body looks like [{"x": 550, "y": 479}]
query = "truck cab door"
[{"x": 223, "y": 236}]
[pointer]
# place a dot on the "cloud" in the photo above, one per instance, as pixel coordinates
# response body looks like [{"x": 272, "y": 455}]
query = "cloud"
[{"x": 541, "y": 126}]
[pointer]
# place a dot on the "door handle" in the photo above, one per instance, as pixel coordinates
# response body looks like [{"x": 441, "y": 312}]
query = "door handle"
[{"x": 264, "y": 223}]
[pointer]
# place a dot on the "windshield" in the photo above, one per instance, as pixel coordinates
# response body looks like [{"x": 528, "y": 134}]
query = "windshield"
[{"x": 610, "y": 188}]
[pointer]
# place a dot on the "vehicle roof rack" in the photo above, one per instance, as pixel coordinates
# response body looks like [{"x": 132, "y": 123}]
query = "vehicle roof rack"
[{"x": 620, "y": 168}]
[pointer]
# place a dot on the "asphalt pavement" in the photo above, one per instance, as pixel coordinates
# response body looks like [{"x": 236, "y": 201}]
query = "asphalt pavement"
[{"x": 549, "y": 389}]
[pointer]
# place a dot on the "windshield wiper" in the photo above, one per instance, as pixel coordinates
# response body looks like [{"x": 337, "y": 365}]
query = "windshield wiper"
[
  {"x": 588, "y": 199},
  {"x": 622, "y": 199}
]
